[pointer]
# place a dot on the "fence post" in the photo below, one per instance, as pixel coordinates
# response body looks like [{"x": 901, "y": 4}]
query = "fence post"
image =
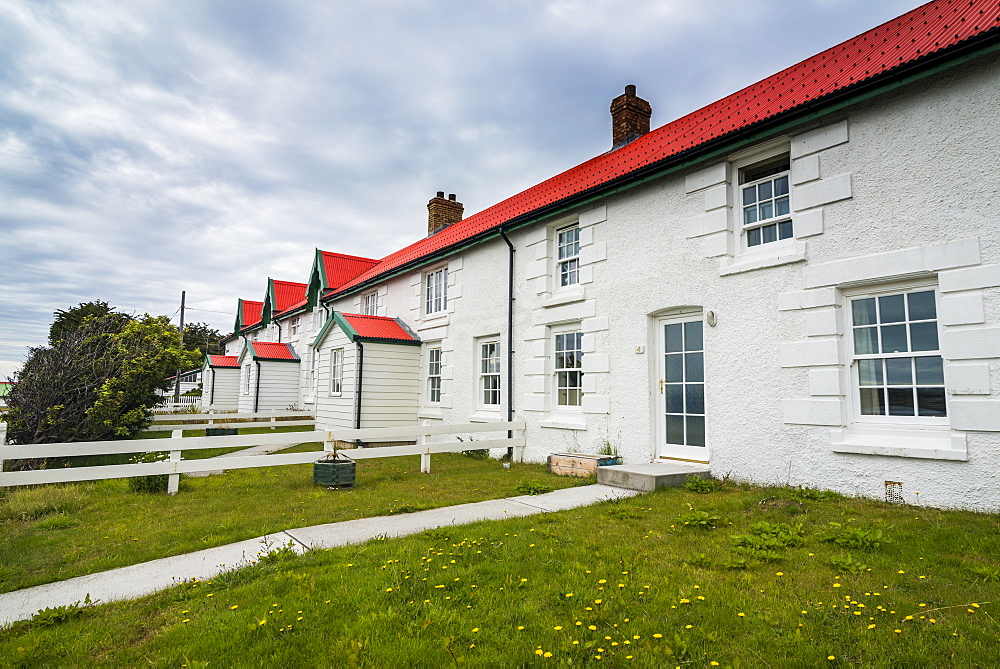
[
  {"x": 425, "y": 457},
  {"x": 211, "y": 421},
  {"x": 328, "y": 442},
  {"x": 174, "y": 480},
  {"x": 274, "y": 419}
]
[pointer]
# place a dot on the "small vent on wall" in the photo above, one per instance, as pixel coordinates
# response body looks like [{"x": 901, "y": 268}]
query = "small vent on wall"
[{"x": 894, "y": 492}]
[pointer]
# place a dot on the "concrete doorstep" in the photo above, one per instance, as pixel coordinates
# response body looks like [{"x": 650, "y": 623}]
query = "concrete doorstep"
[{"x": 148, "y": 577}]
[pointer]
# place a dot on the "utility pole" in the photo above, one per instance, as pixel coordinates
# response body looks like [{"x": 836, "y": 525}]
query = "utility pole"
[{"x": 177, "y": 377}]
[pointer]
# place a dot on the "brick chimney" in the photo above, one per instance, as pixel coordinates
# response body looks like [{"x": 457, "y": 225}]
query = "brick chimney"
[
  {"x": 441, "y": 212},
  {"x": 629, "y": 117}
]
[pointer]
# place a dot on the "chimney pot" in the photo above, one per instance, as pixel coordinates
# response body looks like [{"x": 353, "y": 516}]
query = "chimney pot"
[
  {"x": 630, "y": 116},
  {"x": 441, "y": 212}
]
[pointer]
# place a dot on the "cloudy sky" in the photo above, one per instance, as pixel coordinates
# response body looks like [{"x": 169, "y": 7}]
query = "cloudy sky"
[{"x": 152, "y": 147}]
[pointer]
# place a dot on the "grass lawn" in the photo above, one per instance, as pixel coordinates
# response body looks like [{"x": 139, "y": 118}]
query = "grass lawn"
[
  {"x": 56, "y": 532},
  {"x": 741, "y": 576}
]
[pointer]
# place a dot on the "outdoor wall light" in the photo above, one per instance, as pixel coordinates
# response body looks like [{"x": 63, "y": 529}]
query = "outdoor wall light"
[{"x": 710, "y": 318}]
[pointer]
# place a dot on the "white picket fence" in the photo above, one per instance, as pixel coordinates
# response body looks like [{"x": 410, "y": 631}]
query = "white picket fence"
[{"x": 177, "y": 444}]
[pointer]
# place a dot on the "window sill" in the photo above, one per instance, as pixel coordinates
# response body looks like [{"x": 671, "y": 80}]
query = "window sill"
[
  {"x": 434, "y": 321},
  {"x": 784, "y": 255},
  {"x": 485, "y": 416},
  {"x": 565, "y": 296},
  {"x": 564, "y": 421},
  {"x": 923, "y": 444},
  {"x": 435, "y": 413}
]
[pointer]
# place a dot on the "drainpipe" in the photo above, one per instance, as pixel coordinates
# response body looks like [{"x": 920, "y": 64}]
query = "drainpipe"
[
  {"x": 211, "y": 391},
  {"x": 256, "y": 392},
  {"x": 510, "y": 337},
  {"x": 358, "y": 379}
]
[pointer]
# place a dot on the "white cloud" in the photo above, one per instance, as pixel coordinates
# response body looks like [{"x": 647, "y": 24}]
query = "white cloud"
[{"x": 149, "y": 148}]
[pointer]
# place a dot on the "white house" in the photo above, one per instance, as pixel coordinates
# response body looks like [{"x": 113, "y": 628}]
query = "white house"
[
  {"x": 221, "y": 383},
  {"x": 799, "y": 283},
  {"x": 269, "y": 377},
  {"x": 368, "y": 372}
]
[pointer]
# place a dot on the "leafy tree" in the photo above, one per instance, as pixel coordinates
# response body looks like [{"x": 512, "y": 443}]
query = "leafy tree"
[
  {"x": 96, "y": 382},
  {"x": 201, "y": 340},
  {"x": 68, "y": 320}
]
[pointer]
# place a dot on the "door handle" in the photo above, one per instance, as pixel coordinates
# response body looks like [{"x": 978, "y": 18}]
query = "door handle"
[{"x": 661, "y": 386}]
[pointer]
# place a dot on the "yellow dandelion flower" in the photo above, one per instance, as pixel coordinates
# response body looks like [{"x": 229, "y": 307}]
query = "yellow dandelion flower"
[
  {"x": 234, "y": 607},
  {"x": 741, "y": 614},
  {"x": 831, "y": 657},
  {"x": 476, "y": 629},
  {"x": 836, "y": 585},
  {"x": 780, "y": 573},
  {"x": 538, "y": 651},
  {"x": 569, "y": 594},
  {"x": 186, "y": 620},
  {"x": 547, "y": 654},
  {"x": 388, "y": 589},
  {"x": 657, "y": 636},
  {"x": 558, "y": 628},
  {"x": 592, "y": 627},
  {"x": 687, "y": 627},
  {"x": 898, "y": 631},
  {"x": 520, "y": 627}
]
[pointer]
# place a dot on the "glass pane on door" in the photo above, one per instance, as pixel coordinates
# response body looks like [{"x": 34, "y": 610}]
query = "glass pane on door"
[{"x": 684, "y": 368}]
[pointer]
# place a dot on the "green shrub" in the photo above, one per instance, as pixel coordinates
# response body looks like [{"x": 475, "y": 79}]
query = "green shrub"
[{"x": 156, "y": 483}]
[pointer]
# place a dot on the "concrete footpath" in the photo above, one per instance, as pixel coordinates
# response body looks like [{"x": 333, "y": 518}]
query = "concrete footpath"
[{"x": 147, "y": 577}]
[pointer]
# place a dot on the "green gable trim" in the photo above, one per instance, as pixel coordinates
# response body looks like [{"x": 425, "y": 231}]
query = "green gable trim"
[
  {"x": 984, "y": 45},
  {"x": 338, "y": 319}
]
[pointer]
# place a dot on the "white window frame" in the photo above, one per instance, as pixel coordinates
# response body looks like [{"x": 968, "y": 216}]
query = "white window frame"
[
  {"x": 436, "y": 291},
  {"x": 293, "y": 326},
  {"x": 246, "y": 386},
  {"x": 488, "y": 366},
  {"x": 370, "y": 304},
  {"x": 337, "y": 372},
  {"x": 567, "y": 255},
  {"x": 886, "y": 290},
  {"x": 748, "y": 161},
  {"x": 559, "y": 367},
  {"x": 435, "y": 361}
]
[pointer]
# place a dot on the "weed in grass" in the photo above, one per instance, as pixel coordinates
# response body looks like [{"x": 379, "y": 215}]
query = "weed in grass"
[
  {"x": 815, "y": 494},
  {"x": 697, "y": 484},
  {"x": 702, "y": 520},
  {"x": 149, "y": 484},
  {"x": 847, "y": 565},
  {"x": 40, "y": 501},
  {"x": 477, "y": 453},
  {"x": 699, "y": 560},
  {"x": 59, "y": 614},
  {"x": 858, "y": 538},
  {"x": 764, "y": 540},
  {"x": 56, "y": 522},
  {"x": 986, "y": 574},
  {"x": 532, "y": 488}
]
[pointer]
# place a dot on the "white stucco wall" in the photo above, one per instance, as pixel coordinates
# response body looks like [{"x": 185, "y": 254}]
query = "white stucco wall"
[{"x": 904, "y": 185}]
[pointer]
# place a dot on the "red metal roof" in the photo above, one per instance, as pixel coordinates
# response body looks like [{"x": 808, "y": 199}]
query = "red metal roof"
[
  {"x": 926, "y": 30},
  {"x": 287, "y": 294},
  {"x": 377, "y": 327},
  {"x": 272, "y": 350},
  {"x": 251, "y": 312},
  {"x": 223, "y": 361},
  {"x": 340, "y": 268}
]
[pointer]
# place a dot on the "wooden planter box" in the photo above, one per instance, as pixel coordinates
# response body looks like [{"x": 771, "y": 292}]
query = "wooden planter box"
[
  {"x": 574, "y": 464},
  {"x": 334, "y": 472},
  {"x": 220, "y": 431}
]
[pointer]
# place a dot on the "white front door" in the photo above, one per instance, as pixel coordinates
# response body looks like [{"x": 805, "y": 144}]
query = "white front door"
[{"x": 681, "y": 388}]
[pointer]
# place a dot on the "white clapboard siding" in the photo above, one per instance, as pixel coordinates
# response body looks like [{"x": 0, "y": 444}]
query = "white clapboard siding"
[
  {"x": 336, "y": 410},
  {"x": 279, "y": 385},
  {"x": 221, "y": 388}
]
